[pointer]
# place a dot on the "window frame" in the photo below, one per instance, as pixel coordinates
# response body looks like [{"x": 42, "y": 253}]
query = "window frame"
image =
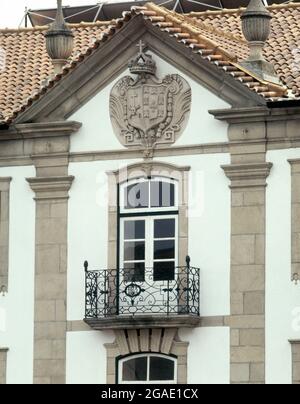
[
  {"x": 148, "y": 210},
  {"x": 148, "y": 355},
  {"x": 149, "y": 261}
]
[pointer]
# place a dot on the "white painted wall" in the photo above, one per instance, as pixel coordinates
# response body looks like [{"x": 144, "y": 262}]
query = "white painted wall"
[
  {"x": 97, "y": 133},
  {"x": 208, "y": 355},
  {"x": 282, "y": 296},
  {"x": 87, "y": 227},
  {"x": 86, "y": 357},
  {"x": 16, "y": 332},
  {"x": 209, "y": 228}
]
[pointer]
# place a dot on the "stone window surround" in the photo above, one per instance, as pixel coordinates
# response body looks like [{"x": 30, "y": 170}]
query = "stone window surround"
[
  {"x": 156, "y": 340},
  {"x": 4, "y": 231},
  {"x": 3, "y": 363},
  {"x": 145, "y": 170}
]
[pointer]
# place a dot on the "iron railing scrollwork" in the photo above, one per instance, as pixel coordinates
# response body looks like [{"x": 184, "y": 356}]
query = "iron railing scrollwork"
[{"x": 111, "y": 292}]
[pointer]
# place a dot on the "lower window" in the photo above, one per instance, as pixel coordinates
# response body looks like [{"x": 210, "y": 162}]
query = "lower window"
[{"x": 147, "y": 368}]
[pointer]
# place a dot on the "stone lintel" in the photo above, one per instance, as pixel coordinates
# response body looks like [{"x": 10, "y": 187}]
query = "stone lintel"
[
  {"x": 248, "y": 175},
  {"x": 51, "y": 188}
]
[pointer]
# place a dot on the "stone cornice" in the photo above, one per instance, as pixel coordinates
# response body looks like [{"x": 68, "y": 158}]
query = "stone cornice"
[
  {"x": 4, "y": 349},
  {"x": 248, "y": 175},
  {"x": 50, "y": 188},
  {"x": 294, "y": 162},
  {"x": 294, "y": 341},
  {"x": 40, "y": 130},
  {"x": 255, "y": 114}
]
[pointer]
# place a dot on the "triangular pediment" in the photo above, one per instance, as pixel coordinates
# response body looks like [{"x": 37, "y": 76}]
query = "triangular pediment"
[{"x": 109, "y": 57}]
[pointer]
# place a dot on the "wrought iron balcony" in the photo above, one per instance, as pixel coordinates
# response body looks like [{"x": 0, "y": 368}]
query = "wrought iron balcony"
[{"x": 117, "y": 298}]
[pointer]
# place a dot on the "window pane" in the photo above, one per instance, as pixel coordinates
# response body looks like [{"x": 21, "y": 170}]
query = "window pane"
[
  {"x": 164, "y": 228},
  {"x": 164, "y": 271},
  {"x": 134, "y": 250},
  {"x": 135, "y": 370},
  {"x": 134, "y": 230},
  {"x": 161, "y": 369},
  {"x": 134, "y": 272},
  {"x": 137, "y": 196},
  {"x": 164, "y": 249},
  {"x": 162, "y": 194}
]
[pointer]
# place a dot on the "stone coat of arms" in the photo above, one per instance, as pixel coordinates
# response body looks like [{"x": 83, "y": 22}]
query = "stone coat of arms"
[{"x": 146, "y": 111}]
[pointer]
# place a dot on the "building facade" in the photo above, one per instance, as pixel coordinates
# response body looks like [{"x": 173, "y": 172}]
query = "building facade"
[{"x": 150, "y": 193}]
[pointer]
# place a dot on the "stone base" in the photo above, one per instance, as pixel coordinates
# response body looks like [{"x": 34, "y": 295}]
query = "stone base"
[{"x": 262, "y": 69}]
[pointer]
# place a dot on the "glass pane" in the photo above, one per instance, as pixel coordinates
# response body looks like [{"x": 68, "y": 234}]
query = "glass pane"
[
  {"x": 164, "y": 249},
  {"x": 134, "y": 230},
  {"x": 164, "y": 228},
  {"x": 137, "y": 196},
  {"x": 161, "y": 369},
  {"x": 134, "y": 272},
  {"x": 135, "y": 370},
  {"x": 162, "y": 194},
  {"x": 134, "y": 250},
  {"x": 164, "y": 271}
]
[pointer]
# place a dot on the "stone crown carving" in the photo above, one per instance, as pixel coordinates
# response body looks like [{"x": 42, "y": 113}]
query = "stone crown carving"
[{"x": 146, "y": 111}]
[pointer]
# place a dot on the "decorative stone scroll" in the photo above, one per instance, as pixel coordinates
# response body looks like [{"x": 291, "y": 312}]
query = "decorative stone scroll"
[{"x": 146, "y": 111}]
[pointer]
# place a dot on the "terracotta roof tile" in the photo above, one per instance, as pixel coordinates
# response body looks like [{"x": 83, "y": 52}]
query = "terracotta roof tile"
[{"x": 25, "y": 67}]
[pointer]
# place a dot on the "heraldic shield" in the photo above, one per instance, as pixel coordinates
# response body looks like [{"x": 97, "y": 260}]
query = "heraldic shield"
[{"x": 146, "y": 111}]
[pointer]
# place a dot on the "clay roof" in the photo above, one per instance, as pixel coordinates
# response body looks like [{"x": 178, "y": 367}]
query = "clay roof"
[{"x": 25, "y": 67}]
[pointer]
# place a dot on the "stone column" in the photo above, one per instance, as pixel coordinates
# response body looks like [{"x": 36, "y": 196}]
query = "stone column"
[
  {"x": 4, "y": 231},
  {"x": 3, "y": 354},
  {"x": 247, "y": 319},
  {"x": 51, "y": 188}
]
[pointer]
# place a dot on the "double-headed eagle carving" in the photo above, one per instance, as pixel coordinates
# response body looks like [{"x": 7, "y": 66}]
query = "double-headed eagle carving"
[{"x": 146, "y": 111}]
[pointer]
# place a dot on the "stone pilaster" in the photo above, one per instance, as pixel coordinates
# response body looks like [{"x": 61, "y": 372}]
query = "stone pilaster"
[
  {"x": 4, "y": 231},
  {"x": 296, "y": 361},
  {"x": 3, "y": 361},
  {"x": 295, "y": 183},
  {"x": 50, "y": 316},
  {"x": 247, "y": 319}
]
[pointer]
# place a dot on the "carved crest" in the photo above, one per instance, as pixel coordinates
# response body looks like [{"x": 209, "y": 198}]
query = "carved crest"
[{"x": 146, "y": 111}]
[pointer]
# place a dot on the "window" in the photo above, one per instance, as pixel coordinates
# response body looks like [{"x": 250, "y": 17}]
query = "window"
[
  {"x": 148, "y": 368},
  {"x": 149, "y": 195},
  {"x": 148, "y": 230}
]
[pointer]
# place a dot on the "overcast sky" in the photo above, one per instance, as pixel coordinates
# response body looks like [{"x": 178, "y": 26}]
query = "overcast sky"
[{"x": 12, "y": 11}]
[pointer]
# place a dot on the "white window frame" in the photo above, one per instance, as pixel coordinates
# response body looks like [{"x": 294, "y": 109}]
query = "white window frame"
[
  {"x": 148, "y": 356},
  {"x": 167, "y": 180},
  {"x": 149, "y": 239}
]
